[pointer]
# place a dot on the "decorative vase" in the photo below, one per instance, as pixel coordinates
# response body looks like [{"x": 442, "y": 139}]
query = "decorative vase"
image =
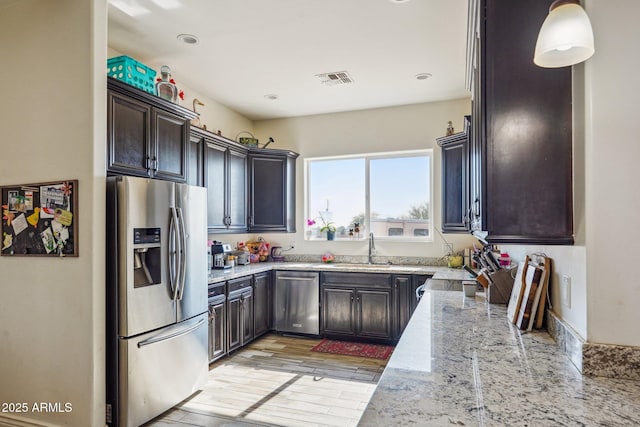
[
  {"x": 165, "y": 88},
  {"x": 331, "y": 235}
]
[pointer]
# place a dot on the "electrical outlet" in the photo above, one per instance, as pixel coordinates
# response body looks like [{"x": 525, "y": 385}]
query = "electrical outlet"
[
  {"x": 292, "y": 245},
  {"x": 565, "y": 290}
]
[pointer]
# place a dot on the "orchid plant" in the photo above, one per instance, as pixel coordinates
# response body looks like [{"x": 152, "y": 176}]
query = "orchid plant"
[{"x": 326, "y": 225}]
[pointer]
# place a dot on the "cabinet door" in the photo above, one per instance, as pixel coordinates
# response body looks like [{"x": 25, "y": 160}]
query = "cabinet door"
[
  {"x": 337, "y": 311},
  {"x": 528, "y": 131},
  {"x": 247, "y": 317},
  {"x": 403, "y": 290},
  {"x": 272, "y": 193},
  {"x": 128, "y": 136},
  {"x": 195, "y": 161},
  {"x": 262, "y": 304},
  {"x": 217, "y": 330},
  {"x": 237, "y": 190},
  {"x": 215, "y": 179},
  {"x": 171, "y": 136},
  {"x": 455, "y": 188},
  {"x": 374, "y": 308},
  {"x": 234, "y": 321}
]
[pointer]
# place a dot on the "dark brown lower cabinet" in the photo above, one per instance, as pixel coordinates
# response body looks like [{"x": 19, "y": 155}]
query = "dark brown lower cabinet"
[
  {"x": 402, "y": 285},
  {"x": 262, "y": 304},
  {"x": 217, "y": 328},
  {"x": 367, "y": 307},
  {"x": 217, "y": 321},
  {"x": 357, "y": 306},
  {"x": 239, "y": 312}
]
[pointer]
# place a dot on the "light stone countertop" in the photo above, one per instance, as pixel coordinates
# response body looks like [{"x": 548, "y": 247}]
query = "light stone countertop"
[
  {"x": 445, "y": 273},
  {"x": 461, "y": 362}
]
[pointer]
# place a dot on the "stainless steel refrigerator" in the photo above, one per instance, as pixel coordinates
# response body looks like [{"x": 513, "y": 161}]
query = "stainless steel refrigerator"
[{"x": 156, "y": 311}]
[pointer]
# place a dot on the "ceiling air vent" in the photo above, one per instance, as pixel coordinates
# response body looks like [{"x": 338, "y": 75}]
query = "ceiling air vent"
[{"x": 336, "y": 78}]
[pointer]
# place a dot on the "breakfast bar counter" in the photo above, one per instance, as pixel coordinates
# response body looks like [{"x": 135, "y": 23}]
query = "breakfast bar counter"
[{"x": 461, "y": 362}]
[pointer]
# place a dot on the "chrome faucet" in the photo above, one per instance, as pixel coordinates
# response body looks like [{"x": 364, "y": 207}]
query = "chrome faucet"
[{"x": 372, "y": 248}]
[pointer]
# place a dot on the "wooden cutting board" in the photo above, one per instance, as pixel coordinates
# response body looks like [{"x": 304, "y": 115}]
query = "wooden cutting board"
[
  {"x": 530, "y": 297},
  {"x": 545, "y": 263},
  {"x": 513, "y": 306}
]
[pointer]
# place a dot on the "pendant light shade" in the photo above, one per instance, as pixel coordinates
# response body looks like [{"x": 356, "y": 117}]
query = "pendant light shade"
[{"x": 566, "y": 37}]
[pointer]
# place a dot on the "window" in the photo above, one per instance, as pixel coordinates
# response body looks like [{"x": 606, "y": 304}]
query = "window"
[{"x": 388, "y": 194}]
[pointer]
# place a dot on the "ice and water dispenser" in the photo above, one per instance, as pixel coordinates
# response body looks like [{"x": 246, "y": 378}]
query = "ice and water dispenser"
[{"x": 146, "y": 257}]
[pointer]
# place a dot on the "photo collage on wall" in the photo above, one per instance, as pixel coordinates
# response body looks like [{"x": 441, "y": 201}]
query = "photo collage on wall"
[{"x": 40, "y": 219}]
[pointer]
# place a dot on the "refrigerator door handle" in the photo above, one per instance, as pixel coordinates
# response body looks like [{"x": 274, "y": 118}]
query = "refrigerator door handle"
[
  {"x": 182, "y": 254},
  {"x": 171, "y": 336},
  {"x": 174, "y": 253}
]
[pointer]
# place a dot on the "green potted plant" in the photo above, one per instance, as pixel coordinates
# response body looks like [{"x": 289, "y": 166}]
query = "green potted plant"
[{"x": 327, "y": 226}]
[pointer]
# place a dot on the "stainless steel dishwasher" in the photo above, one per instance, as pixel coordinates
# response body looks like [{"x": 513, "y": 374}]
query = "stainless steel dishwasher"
[{"x": 297, "y": 302}]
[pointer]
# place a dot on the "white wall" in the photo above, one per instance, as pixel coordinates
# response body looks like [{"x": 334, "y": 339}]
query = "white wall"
[
  {"x": 53, "y": 128},
  {"x": 376, "y": 130},
  {"x": 214, "y": 115},
  {"x": 612, "y": 173}
]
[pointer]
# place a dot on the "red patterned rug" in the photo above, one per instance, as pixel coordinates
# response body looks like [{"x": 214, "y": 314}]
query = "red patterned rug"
[{"x": 373, "y": 351}]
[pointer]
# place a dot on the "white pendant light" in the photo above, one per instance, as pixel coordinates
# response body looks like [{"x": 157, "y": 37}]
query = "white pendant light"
[{"x": 566, "y": 37}]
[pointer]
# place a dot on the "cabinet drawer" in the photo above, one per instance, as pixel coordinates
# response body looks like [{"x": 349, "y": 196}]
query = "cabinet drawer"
[
  {"x": 216, "y": 289},
  {"x": 240, "y": 283},
  {"x": 355, "y": 279}
]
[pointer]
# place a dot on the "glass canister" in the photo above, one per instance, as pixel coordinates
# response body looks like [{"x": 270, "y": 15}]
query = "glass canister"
[{"x": 165, "y": 86}]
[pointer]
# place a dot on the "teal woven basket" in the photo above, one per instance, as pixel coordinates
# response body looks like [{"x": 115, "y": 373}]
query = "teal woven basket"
[{"x": 132, "y": 72}]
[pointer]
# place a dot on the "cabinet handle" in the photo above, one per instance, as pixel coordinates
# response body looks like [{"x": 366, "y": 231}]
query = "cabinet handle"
[
  {"x": 147, "y": 163},
  {"x": 467, "y": 218},
  {"x": 155, "y": 164}
]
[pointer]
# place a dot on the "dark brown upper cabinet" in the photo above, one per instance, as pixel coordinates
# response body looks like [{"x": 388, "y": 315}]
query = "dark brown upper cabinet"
[
  {"x": 249, "y": 189},
  {"x": 147, "y": 136},
  {"x": 521, "y": 140},
  {"x": 455, "y": 181},
  {"x": 272, "y": 199}
]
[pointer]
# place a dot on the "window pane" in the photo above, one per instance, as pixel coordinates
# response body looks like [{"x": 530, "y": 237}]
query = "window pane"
[
  {"x": 336, "y": 194},
  {"x": 397, "y": 187},
  {"x": 399, "y": 195}
]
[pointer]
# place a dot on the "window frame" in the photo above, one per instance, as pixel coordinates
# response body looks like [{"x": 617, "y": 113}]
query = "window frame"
[{"x": 428, "y": 152}]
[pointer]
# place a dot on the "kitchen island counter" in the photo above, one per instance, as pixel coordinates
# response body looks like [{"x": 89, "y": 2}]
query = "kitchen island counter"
[
  {"x": 444, "y": 273},
  {"x": 461, "y": 362}
]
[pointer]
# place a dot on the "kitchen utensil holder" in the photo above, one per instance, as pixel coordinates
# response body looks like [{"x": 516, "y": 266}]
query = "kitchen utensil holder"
[{"x": 499, "y": 290}]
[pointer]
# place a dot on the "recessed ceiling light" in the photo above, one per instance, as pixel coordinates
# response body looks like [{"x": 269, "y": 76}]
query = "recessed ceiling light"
[
  {"x": 188, "y": 38},
  {"x": 423, "y": 76},
  {"x": 271, "y": 96},
  {"x": 399, "y": 1}
]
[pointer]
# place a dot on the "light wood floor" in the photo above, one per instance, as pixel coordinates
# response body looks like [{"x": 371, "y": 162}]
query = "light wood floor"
[{"x": 278, "y": 381}]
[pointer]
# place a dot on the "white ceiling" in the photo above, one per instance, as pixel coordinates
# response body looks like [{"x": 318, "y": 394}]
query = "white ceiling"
[{"x": 250, "y": 48}]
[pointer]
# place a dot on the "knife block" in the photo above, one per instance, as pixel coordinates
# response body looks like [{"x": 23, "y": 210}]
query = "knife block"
[{"x": 499, "y": 290}]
